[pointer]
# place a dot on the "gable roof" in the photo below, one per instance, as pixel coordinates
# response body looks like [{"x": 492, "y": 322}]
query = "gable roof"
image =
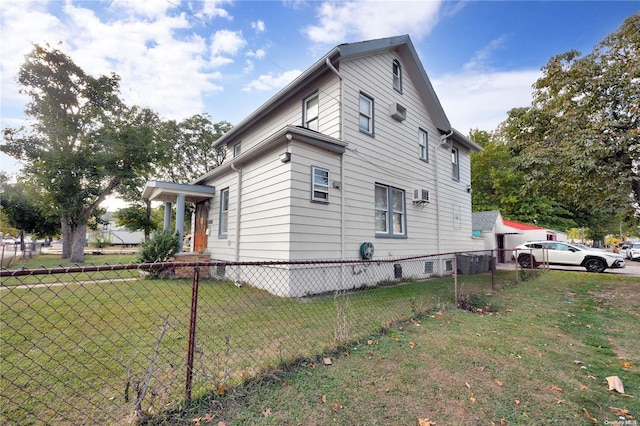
[
  {"x": 402, "y": 45},
  {"x": 484, "y": 221},
  {"x": 521, "y": 226}
]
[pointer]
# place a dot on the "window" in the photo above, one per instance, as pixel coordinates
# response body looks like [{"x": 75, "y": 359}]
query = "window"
[
  {"x": 224, "y": 213},
  {"x": 236, "y": 149},
  {"x": 311, "y": 112},
  {"x": 423, "y": 143},
  {"x": 320, "y": 184},
  {"x": 397, "y": 75},
  {"x": 389, "y": 212},
  {"x": 455, "y": 164},
  {"x": 366, "y": 114}
]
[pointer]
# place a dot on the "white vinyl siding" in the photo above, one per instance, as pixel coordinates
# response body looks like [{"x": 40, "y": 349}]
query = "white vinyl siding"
[{"x": 320, "y": 184}]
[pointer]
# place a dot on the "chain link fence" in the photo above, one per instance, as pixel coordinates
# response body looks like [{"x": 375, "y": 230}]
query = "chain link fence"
[{"x": 117, "y": 344}]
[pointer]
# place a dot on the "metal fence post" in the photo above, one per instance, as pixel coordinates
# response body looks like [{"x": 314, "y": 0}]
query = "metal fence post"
[{"x": 192, "y": 332}]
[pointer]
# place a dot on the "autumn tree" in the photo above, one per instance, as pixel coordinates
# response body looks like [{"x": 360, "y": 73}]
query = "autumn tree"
[
  {"x": 83, "y": 141},
  {"x": 580, "y": 138}
]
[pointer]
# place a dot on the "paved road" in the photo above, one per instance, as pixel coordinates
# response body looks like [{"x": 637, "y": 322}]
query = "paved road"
[{"x": 632, "y": 268}]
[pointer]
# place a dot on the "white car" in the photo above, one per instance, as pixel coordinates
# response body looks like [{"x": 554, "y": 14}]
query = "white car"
[
  {"x": 633, "y": 251},
  {"x": 534, "y": 253}
]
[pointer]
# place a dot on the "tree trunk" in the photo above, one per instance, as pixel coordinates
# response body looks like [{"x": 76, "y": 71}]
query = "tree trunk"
[
  {"x": 77, "y": 250},
  {"x": 67, "y": 237}
]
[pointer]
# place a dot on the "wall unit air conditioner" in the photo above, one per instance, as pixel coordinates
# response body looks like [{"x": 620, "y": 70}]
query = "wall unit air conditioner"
[
  {"x": 398, "y": 112},
  {"x": 420, "y": 196}
]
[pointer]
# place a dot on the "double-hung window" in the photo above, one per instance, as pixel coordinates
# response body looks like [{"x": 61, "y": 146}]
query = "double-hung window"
[
  {"x": 223, "y": 226},
  {"x": 311, "y": 112},
  {"x": 390, "y": 210},
  {"x": 423, "y": 144},
  {"x": 366, "y": 114},
  {"x": 319, "y": 184},
  {"x": 237, "y": 149},
  {"x": 455, "y": 164},
  {"x": 397, "y": 75}
]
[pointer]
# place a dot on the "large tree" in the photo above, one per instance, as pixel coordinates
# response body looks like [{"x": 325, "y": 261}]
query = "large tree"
[
  {"x": 83, "y": 141},
  {"x": 580, "y": 139}
]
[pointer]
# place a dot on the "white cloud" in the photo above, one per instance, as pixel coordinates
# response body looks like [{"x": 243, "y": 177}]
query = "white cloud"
[
  {"x": 212, "y": 9},
  {"x": 480, "y": 60},
  {"x": 361, "y": 20},
  {"x": 481, "y": 101},
  {"x": 260, "y": 53},
  {"x": 271, "y": 81},
  {"x": 258, "y": 26},
  {"x": 225, "y": 41},
  {"x": 146, "y": 8}
]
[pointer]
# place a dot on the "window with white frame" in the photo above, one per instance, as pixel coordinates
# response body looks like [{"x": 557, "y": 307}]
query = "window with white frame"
[
  {"x": 423, "y": 143},
  {"x": 311, "y": 112},
  {"x": 319, "y": 184},
  {"x": 390, "y": 219},
  {"x": 236, "y": 149},
  {"x": 366, "y": 114},
  {"x": 397, "y": 75},
  {"x": 223, "y": 226},
  {"x": 455, "y": 163}
]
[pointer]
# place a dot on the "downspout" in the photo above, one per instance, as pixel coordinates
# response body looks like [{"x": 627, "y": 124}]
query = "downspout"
[
  {"x": 238, "y": 207},
  {"x": 342, "y": 196},
  {"x": 443, "y": 140}
]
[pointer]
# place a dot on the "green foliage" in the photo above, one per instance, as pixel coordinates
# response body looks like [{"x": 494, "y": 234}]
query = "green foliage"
[
  {"x": 26, "y": 207},
  {"x": 135, "y": 218},
  {"x": 100, "y": 240},
  {"x": 160, "y": 247},
  {"x": 83, "y": 141},
  {"x": 580, "y": 139}
]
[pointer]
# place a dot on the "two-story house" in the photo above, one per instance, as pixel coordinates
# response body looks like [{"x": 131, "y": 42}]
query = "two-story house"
[{"x": 353, "y": 159}]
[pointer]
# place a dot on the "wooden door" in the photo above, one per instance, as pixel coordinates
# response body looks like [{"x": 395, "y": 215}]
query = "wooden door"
[{"x": 200, "y": 235}]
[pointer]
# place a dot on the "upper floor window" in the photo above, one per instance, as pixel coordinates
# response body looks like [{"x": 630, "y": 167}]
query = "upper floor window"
[
  {"x": 319, "y": 184},
  {"x": 223, "y": 225},
  {"x": 423, "y": 144},
  {"x": 366, "y": 114},
  {"x": 311, "y": 112},
  {"x": 455, "y": 163},
  {"x": 390, "y": 211},
  {"x": 397, "y": 75},
  {"x": 236, "y": 149}
]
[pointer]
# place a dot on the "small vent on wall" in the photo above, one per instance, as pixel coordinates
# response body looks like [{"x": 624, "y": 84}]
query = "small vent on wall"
[{"x": 398, "y": 112}]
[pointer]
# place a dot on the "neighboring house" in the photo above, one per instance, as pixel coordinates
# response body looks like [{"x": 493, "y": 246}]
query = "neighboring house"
[
  {"x": 503, "y": 234},
  {"x": 353, "y": 159},
  {"x": 118, "y": 235}
]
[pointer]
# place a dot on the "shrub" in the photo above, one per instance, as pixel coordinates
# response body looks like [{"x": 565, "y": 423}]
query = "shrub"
[{"x": 159, "y": 248}]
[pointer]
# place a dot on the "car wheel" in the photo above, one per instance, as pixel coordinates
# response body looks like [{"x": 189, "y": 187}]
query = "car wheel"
[
  {"x": 524, "y": 260},
  {"x": 595, "y": 265}
]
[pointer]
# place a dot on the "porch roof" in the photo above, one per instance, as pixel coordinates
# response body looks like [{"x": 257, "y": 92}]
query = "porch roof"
[{"x": 169, "y": 191}]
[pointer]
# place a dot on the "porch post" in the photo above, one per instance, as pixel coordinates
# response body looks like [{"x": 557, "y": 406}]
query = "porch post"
[
  {"x": 167, "y": 216},
  {"x": 180, "y": 218}
]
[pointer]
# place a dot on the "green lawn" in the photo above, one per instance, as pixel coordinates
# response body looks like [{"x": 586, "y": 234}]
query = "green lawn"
[
  {"x": 80, "y": 352},
  {"x": 542, "y": 357}
]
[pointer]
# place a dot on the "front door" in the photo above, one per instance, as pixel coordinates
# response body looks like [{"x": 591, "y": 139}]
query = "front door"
[{"x": 200, "y": 235}]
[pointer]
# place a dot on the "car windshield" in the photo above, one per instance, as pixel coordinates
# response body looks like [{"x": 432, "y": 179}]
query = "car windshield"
[{"x": 635, "y": 245}]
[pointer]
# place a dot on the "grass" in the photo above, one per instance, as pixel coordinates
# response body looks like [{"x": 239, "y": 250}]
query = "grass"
[
  {"x": 79, "y": 352},
  {"x": 542, "y": 358}
]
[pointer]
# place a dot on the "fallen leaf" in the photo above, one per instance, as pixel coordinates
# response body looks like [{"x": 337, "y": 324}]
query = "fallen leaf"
[
  {"x": 626, "y": 364},
  {"x": 222, "y": 424},
  {"x": 499, "y": 383},
  {"x": 324, "y": 399},
  {"x": 589, "y": 416},
  {"x": 577, "y": 362},
  {"x": 472, "y": 399},
  {"x": 412, "y": 344},
  {"x": 583, "y": 387},
  {"x": 336, "y": 405},
  {"x": 267, "y": 412},
  {"x": 517, "y": 401},
  {"x": 560, "y": 401},
  {"x": 556, "y": 388},
  {"x": 591, "y": 377},
  {"x": 285, "y": 383},
  {"x": 615, "y": 383},
  {"x": 207, "y": 417},
  {"x": 588, "y": 325},
  {"x": 619, "y": 411},
  {"x": 425, "y": 422},
  {"x": 467, "y": 385},
  {"x": 220, "y": 390}
]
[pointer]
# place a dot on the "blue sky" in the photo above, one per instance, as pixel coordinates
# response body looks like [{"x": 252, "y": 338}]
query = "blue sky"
[{"x": 226, "y": 58}]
